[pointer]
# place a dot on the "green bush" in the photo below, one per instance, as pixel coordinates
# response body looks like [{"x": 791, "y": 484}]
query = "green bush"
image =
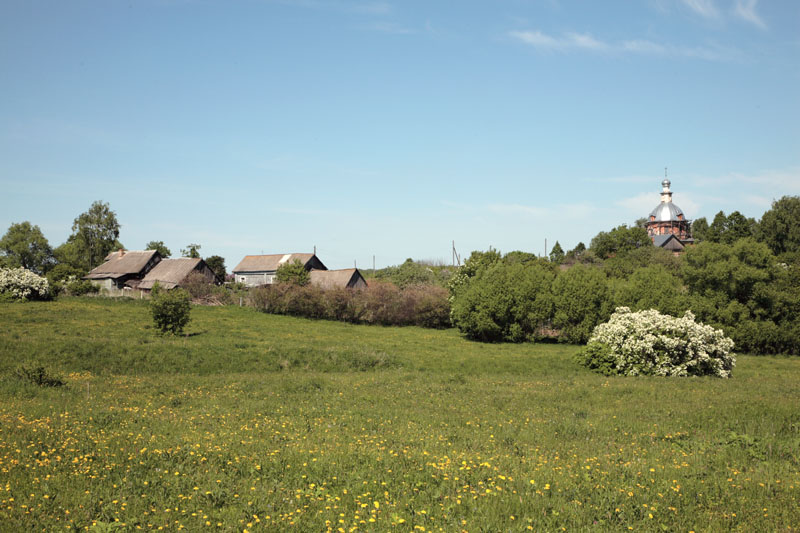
[
  {"x": 81, "y": 287},
  {"x": 381, "y": 303},
  {"x": 504, "y": 302},
  {"x": 650, "y": 287},
  {"x": 171, "y": 309},
  {"x": 294, "y": 273},
  {"x": 582, "y": 300},
  {"x": 39, "y": 376}
]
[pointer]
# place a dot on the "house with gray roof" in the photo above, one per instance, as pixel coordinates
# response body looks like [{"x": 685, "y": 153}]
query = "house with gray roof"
[
  {"x": 171, "y": 273},
  {"x": 123, "y": 266},
  {"x": 255, "y": 270},
  {"x": 346, "y": 278}
]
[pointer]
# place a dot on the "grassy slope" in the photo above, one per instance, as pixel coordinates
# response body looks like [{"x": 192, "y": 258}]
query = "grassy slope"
[{"x": 312, "y": 423}]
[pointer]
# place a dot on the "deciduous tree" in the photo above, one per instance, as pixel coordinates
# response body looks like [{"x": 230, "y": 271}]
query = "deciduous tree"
[
  {"x": 217, "y": 264},
  {"x": 192, "y": 250},
  {"x": 780, "y": 226},
  {"x": 25, "y": 246},
  {"x": 557, "y": 254},
  {"x": 94, "y": 235},
  {"x": 160, "y": 247}
]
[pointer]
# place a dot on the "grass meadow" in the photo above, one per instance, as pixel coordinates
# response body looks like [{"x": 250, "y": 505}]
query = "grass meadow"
[{"x": 256, "y": 422}]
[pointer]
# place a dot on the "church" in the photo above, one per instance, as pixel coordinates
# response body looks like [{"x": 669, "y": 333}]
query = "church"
[{"x": 666, "y": 225}]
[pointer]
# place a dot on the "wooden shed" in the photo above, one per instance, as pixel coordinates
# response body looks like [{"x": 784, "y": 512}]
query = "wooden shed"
[{"x": 349, "y": 278}]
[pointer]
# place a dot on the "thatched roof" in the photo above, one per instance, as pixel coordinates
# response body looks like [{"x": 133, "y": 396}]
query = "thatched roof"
[
  {"x": 170, "y": 273},
  {"x": 122, "y": 263},
  {"x": 329, "y": 279},
  {"x": 270, "y": 263}
]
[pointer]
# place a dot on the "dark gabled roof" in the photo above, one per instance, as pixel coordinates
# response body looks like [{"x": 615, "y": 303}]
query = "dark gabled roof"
[
  {"x": 330, "y": 279},
  {"x": 669, "y": 242},
  {"x": 122, "y": 263},
  {"x": 170, "y": 273},
  {"x": 270, "y": 263}
]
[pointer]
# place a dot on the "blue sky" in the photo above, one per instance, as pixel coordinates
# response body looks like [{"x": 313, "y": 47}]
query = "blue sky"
[{"x": 392, "y": 128}]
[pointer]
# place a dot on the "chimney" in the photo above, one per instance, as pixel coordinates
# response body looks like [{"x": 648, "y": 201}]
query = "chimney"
[{"x": 121, "y": 252}]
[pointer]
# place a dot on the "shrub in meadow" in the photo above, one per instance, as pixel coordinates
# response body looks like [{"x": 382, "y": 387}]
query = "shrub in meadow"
[
  {"x": 381, "y": 303},
  {"x": 22, "y": 284},
  {"x": 80, "y": 287},
  {"x": 505, "y": 302},
  {"x": 39, "y": 375},
  {"x": 429, "y": 304},
  {"x": 170, "y": 309},
  {"x": 649, "y": 343}
]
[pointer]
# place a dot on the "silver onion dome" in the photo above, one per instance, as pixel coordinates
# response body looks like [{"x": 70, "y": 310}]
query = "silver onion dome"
[{"x": 665, "y": 212}]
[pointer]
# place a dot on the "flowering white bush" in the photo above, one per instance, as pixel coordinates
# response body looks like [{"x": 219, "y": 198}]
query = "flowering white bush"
[
  {"x": 22, "y": 284},
  {"x": 649, "y": 343}
]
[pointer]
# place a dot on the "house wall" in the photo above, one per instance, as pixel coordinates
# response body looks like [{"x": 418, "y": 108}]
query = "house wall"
[
  {"x": 254, "y": 279},
  {"x": 206, "y": 271},
  {"x": 104, "y": 284}
]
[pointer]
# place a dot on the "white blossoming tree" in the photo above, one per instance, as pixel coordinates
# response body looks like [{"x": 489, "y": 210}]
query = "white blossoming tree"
[
  {"x": 22, "y": 284},
  {"x": 649, "y": 343}
]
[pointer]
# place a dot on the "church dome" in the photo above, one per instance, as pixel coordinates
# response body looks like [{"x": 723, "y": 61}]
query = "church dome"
[{"x": 666, "y": 211}]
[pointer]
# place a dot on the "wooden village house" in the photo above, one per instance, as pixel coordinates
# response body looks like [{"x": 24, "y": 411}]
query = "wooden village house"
[
  {"x": 123, "y": 266},
  {"x": 172, "y": 273},
  {"x": 256, "y": 270}
]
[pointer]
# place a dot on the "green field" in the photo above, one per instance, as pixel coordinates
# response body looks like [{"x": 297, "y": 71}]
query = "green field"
[{"x": 262, "y": 422}]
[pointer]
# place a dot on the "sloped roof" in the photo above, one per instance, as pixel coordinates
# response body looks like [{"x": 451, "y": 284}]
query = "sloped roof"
[
  {"x": 329, "y": 279},
  {"x": 670, "y": 242},
  {"x": 122, "y": 263},
  {"x": 170, "y": 273},
  {"x": 270, "y": 263}
]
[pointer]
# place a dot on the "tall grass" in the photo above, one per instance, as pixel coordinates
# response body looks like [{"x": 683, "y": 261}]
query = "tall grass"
[{"x": 263, "y": 422}]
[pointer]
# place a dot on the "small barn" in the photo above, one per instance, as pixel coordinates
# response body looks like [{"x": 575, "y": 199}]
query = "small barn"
[
  {"x": 123, "y": 266},
  {"x": 171, "y": 273},
  {"x": 256, "y": 270},
  {"x": 347, "y": 278}
]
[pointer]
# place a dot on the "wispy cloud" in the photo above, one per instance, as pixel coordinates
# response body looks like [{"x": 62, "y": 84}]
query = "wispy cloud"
[
  {"x": 787, "y": 181},
  {"x": 704, "y": 8},
  {"x": 746, "y": 10},
  {"x": 568, "y": 41},
  {"x": 585, "y": 42},
  {"x": 640, "y": 205}
]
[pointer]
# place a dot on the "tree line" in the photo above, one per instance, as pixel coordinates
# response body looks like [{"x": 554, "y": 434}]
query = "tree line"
[
  {"x": 742, "y": 276},
  {"x": 95, "y": 234}
]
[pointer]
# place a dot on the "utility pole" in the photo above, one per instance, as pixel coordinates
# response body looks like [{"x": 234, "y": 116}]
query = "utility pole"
[
  {"x": 315, "y": 249},
  {"x": 373, "y": 264},
  {"x": 545, "y": 247}
]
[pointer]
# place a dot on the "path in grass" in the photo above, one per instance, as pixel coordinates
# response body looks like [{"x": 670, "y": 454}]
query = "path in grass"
[{"x": 256, "y": 420}]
